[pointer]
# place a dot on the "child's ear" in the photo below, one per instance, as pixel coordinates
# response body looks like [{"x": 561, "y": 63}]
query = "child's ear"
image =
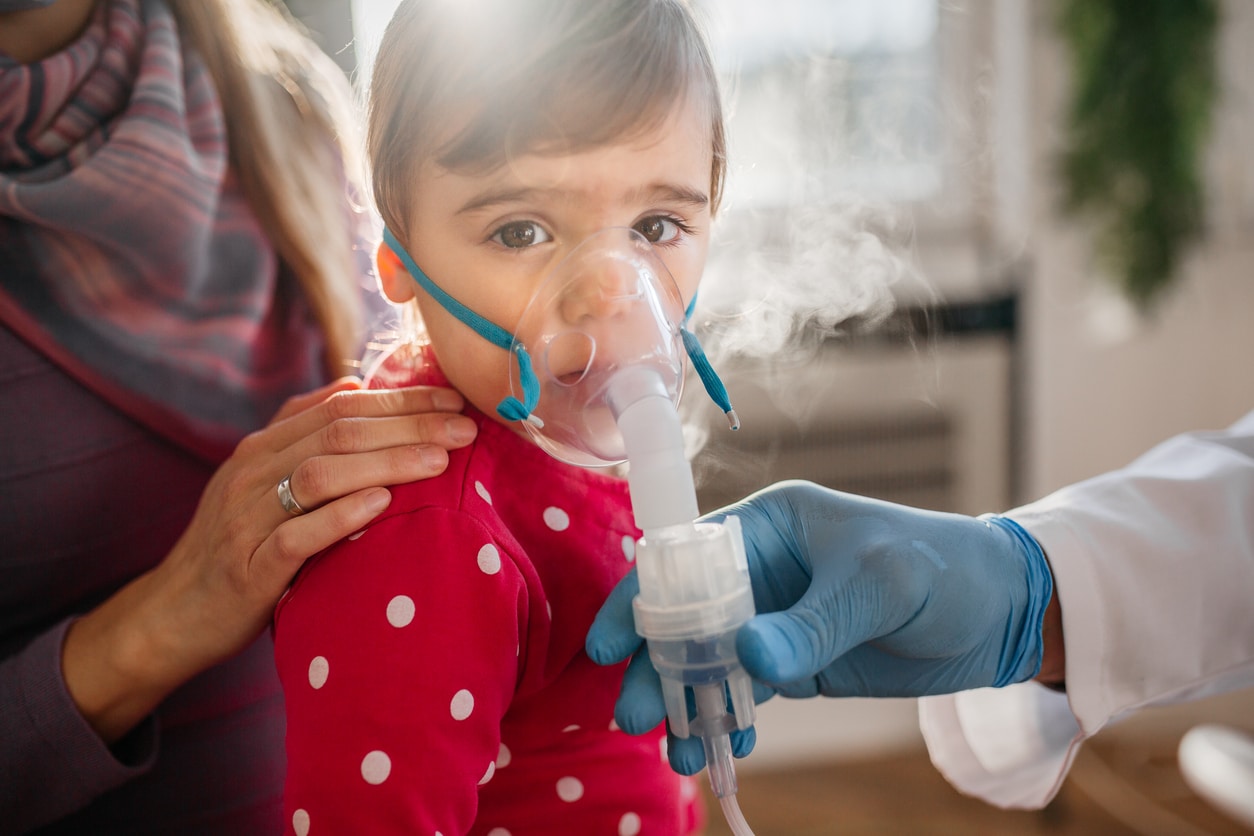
[{"x": 395, "y": 279}]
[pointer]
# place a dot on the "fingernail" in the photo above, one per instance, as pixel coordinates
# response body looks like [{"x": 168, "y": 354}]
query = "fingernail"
[
  {"x": 434, "y": 457},
  {"x": 461, "y": 430},
  {"x": 446, "y": 400},
  {"x": 377, "y": 500}
]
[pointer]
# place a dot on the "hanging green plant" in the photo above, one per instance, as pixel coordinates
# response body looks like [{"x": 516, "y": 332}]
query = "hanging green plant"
[{"x": 1143, "y": 87}]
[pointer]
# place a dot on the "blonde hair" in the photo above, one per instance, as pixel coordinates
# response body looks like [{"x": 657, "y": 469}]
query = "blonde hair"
[
  {"x": 518, "y": 76},
  {"x": 290, "y": 128}
]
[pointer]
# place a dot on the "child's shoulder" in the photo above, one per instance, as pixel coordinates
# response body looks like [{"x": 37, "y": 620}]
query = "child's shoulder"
[
  {"x": 413, "y": 364},
  {"x": 458, "y": 492},
  {"x": 426, "y": 524}
]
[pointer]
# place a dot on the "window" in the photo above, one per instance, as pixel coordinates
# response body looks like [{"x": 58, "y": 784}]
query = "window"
[{"x": 828, "y": 97}]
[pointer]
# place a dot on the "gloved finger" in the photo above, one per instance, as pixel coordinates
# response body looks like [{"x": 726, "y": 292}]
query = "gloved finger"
[
  {"x": 687, "y": 754},
  {"x": 743, "y": 741},
  {"x": 612, "y": 637},
  {"x": 834, "y": 615},
  {"x": 640, "y": 705},
  {"x": 801, "y": 689},
  {"x": 784, "y": 647}
]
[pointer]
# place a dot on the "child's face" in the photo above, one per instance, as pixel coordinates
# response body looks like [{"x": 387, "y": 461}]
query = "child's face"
[{"x": 489, "y": 240}]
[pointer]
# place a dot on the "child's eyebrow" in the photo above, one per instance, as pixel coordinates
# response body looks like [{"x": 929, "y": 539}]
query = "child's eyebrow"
[
  {"x": 494, "y": 197},
  {"x": 660, "y": 192},
  {"x": 671, "y": 193}
]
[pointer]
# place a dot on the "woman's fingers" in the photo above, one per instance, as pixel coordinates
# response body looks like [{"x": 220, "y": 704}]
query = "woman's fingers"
[
  {"x": 417, "y": 403},
  {"x": 362, "y": 435},
  {"x": 321, "y": 478},
  {"x": 354, "y": 453},
  {"x": 280, "y": 556},
  {"x": 299, "y": 403}
]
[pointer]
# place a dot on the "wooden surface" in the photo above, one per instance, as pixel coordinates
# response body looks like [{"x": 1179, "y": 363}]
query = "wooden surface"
[{"x": 1116, "y": 787}]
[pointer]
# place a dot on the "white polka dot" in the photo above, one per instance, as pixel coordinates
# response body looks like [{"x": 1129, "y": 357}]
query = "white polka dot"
[
  {"x": 376, "y": 767},
  {"x": 483, "y": 492},
  {"x": 487, "y": 776},
  {"x": 687, "y": 788},
  {"x": 400, "y": 611},
  {"x": 356, "y": 534},
  {"x": 499, "y": 831},
  {"x": 300, "y": 823},
  {"x": 664, "y": 747},
  {"x": 614, "y": 725},
  {"x": 503, "y": 757},
  {"x": 571, "y": 727},
  {"x": 556, "y": 519},
  {"x": 318, "y": 670},
  {"x": 489, "y": 560},
  {"x": 629, "y": 825},
  {"x": 569, "y": 789},
  {"x": 629, "y": 552},
  {"x": 463, "y": 703}
]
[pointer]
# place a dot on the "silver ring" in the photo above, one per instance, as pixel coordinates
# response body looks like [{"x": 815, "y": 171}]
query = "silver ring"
[{"x": 286, "y": 499}]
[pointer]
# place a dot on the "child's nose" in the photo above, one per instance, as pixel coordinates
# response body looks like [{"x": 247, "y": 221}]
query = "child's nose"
[{"x": 601, "y": 292}]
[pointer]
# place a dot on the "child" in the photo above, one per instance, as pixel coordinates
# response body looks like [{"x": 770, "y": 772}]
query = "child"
[{"x": 433, "y": 664}]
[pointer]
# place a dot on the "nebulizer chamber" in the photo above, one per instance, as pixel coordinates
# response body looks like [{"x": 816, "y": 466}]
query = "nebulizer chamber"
[{"x": 603, "y": 336}]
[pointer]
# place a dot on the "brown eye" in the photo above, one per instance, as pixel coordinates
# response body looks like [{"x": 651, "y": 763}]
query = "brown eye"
[
  {"x": 520, "y": 235},
  {"x": 658, "y": 229}
]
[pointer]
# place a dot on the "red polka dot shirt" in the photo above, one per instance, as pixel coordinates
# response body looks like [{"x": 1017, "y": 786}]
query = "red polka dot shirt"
[{"x": 434, "y": 671}]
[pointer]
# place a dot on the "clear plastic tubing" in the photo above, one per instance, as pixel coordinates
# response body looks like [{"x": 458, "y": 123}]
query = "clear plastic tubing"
[{"x": 694, "y": 582}]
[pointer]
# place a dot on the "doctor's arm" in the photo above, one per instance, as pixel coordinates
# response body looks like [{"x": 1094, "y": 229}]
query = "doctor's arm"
[
  {"x": 1153, "y": 566},
  {"x": 859, "y": 597}
]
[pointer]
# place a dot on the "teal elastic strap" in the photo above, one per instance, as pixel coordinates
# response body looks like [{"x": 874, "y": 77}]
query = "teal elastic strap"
[
  {"x": 511, "y": 408},
  {"x": 713, "y": 384}
]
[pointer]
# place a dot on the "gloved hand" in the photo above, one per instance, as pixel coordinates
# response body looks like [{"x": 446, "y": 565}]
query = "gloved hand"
[{"x": 858, "y": 597}]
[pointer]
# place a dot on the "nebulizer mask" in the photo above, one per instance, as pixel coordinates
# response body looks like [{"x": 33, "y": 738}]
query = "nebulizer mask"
[{"x": 597, "y": 371}]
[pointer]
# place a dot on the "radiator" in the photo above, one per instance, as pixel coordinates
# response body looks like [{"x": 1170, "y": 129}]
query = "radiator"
[{"x": 928, "y": 426}]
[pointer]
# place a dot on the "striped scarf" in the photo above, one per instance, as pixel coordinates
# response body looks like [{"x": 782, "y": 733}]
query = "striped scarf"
[{"x": 127, "y": 252}]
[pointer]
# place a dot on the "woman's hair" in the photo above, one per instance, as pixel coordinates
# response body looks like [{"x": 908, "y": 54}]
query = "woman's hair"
[
  {"x": 470, "y": 83},
  {"x": 290, "y": 127}
]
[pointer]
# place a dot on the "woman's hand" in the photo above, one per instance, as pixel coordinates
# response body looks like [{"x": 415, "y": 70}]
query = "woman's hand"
[{"x": 217, "y": 588}]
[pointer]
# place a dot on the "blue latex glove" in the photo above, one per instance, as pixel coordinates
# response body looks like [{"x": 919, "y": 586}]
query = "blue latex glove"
[{"x": 858, "y": 597}]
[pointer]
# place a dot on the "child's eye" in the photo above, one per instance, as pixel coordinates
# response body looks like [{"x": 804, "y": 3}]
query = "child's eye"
[
  {"x": 520, "y": 234},
  {"x": 660, "y": 229}
]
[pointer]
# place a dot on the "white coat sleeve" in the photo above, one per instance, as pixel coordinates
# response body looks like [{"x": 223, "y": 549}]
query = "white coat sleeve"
[{"x": 1154, "y": 569}]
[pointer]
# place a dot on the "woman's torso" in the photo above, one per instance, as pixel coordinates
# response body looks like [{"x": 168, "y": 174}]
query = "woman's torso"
[{"x": 88, "y": 500}]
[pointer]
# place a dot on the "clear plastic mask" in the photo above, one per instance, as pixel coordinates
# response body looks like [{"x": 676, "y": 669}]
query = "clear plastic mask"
[{"x": 610, "y": 305}]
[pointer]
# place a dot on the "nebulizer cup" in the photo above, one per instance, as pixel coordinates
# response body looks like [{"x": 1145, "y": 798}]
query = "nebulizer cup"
[{"x": 604, "y": 337}]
